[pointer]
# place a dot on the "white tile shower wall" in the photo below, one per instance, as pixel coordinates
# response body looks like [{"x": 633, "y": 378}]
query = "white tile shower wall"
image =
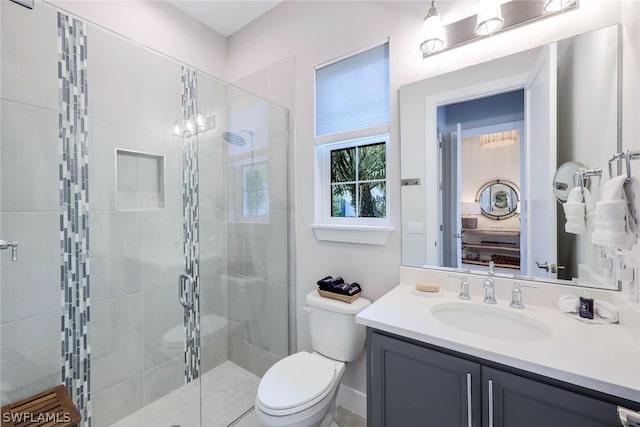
[
  {"x": 26, "y": 162},
  {"x": 30, "y": 286},
  {"x": 29, "y": 51},
  {"x": 30, "y": 356},
  {"x": 29, "y": 205},
  {"x": 116, "y": 341},
  {"x": 117, "y": 402}
]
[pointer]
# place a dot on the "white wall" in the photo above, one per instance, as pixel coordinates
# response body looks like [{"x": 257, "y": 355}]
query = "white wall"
[
  {"x": 159, "y": 26},
  {"x": 315, "y": 32}
]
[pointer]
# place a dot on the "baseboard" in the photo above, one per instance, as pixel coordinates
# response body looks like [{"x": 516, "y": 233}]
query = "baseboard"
[{"x": 352, "y": 400}]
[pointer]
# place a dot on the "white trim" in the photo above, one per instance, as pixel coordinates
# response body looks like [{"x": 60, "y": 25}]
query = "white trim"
[
  {"x": 354, "y": 134},
  {"x": 352, "y": 400},
  {"x": 323, "y": 196},
  {"x": 362, "y": 234},
  {"x": 432, "y": 180}
]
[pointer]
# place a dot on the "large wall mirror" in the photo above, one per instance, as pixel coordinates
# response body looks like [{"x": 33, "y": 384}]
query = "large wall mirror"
[{"x": 485, "y": 142}]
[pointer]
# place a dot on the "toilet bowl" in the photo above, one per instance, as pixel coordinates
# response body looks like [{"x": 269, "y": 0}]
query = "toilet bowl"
[
  {"x": 300, "y": 390},
  {"x": 210, "y": 325}
]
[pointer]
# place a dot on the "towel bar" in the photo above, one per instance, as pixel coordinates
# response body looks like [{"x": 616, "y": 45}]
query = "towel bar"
[{"x": 627, "y": 156}]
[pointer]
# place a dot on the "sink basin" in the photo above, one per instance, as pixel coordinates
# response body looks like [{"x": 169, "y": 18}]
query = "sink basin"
[{"x": 491, "y": 321}]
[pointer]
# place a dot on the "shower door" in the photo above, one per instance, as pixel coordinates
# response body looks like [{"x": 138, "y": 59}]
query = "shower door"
[{"x": 152, "y": 273}]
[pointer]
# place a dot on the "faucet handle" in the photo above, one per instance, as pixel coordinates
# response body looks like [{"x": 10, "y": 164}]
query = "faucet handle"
[
  {"x": 464, "y": 287},
  {"x": 516, "y": 294},
  {"x": 492, "y": 267}
]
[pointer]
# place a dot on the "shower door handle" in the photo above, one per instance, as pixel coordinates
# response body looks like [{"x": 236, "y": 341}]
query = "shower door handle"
[{"x": 186, "y": 299}]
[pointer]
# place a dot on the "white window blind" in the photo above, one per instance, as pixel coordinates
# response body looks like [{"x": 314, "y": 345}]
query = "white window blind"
[{"x": 353, "y": 93}]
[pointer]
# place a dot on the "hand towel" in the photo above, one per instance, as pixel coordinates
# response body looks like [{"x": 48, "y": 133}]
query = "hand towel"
[
  {"x": 613, "y": 225},
  {"x": 589, "y": 208},
  {"x": 574, "y": 212},
  {"x": 606, "y": 311},
  {"x": 632, "y": 194},
  {"x": 568, "y": 303}
]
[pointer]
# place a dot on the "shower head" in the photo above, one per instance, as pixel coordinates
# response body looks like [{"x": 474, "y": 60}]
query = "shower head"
[{"x": 235, "y": 138}]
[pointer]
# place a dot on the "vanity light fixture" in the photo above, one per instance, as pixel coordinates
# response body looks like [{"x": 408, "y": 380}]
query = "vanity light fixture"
[
  {"x": 558, "y": 5},
  {"x": 433, "y": 31},
  {"x": 498, "y": 139},
  {"x": 489, "y": 17}
]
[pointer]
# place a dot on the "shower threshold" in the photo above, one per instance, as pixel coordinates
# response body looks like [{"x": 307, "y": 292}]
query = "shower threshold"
[{"x": 227, "y": 394}]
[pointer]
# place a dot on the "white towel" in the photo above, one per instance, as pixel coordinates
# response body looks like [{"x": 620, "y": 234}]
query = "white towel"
[
  {"x": 614, "y": 225},
  {"x": 603, "y": 311},
  {"x": 574, "y": 212},
  {"x": 589, "y": 208},
  {"x": 632, "y": 195}
]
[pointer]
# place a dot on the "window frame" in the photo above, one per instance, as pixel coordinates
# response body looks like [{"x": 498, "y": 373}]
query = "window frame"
[{"x": 324, "y": 159}]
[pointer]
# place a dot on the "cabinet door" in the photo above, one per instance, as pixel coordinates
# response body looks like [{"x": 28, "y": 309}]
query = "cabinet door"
[
  {"x": 411, "y": 386},
  {"x": 514, "y": 401}
]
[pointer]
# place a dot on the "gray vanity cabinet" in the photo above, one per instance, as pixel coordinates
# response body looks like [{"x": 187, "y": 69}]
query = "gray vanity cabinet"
[
  {"x": 512, "y": 400},
  {"x": 415, "y": 385},
  {"x": 410, "y": 385}
]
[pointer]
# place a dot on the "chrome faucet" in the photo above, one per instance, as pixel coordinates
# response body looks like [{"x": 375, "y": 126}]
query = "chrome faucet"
[
  {"x": 516, "y": 295},
  {"x": 464, "y": 287},
  {"x": 489, "y": 286},
  {"x": 6, "y": 244}
]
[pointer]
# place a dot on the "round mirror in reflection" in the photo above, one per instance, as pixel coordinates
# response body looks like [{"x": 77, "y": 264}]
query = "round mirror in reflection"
[
  {"x": 498, "y": 199},
  {"x": 563, "y": 180}
]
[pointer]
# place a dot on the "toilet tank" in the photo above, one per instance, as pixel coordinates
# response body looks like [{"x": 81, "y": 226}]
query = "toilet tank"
[{"x": 333, "y": 328}]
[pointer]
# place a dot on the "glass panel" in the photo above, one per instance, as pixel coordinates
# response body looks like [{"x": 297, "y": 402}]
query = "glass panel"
[
  {"x": 371, "y": 162},
  {"x": 255, "y": 189},
  {"x": 343, "y": 200},
  {"x": 372, "y": 199},
  {"x": 244, "y": 246},
  {"x": 192, "y": 202},
  {"x": 343, "y": 165}
]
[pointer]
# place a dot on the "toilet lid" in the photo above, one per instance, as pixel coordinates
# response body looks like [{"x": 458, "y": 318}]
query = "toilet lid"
[{"x": 296, "y": 380}]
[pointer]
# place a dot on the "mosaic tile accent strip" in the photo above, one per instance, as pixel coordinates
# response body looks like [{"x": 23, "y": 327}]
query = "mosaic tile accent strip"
[
  {"x": 74, "y": 212},
  {"x": 191, "y": 221}
]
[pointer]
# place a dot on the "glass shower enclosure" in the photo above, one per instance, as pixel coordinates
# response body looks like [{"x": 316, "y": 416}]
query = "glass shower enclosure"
[{"x": 149, "y": 204}]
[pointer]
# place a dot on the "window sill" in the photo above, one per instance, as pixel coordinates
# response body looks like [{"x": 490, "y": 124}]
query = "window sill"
[{"x": 362, "y": 234}]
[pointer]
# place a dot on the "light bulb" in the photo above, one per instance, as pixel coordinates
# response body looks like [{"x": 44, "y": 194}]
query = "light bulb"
[
  {"x": 189, "y": 126},
  {"x": 433, "y": 31},
  {"x": 489, "y": 17},
  {"x": 557, "y": 5},
  {"x": 177, "y": 131},
  {"x": 200, "y": 122}
]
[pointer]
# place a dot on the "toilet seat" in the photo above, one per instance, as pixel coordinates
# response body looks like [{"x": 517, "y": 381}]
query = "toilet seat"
[{"x": 296, "y": 383}]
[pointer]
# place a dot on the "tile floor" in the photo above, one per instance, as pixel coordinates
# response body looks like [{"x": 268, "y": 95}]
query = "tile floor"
[
  {"x": 344, "y": 418},
  {"x": 228, "y": 391}
]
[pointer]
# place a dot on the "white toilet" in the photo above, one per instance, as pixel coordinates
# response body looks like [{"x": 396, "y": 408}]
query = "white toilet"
[{"x": 300, "y": 390}]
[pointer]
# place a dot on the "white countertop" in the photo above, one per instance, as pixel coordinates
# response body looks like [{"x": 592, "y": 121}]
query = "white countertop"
[{"x": 595, "y": 356}]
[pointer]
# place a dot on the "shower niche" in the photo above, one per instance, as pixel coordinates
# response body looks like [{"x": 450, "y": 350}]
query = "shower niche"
[{"x": 140, "y": 180}]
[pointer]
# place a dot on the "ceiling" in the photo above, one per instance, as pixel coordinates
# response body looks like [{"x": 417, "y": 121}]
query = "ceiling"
[
  {"x": 228, "y": 16},
  {"x": 225, "y": 16}
]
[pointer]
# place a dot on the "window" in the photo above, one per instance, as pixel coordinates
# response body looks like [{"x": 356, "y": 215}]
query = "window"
[
  {"x": 255, "y": 190},
  {"x": 358, "y": 185},
  {"x": 352, "y": 139}
]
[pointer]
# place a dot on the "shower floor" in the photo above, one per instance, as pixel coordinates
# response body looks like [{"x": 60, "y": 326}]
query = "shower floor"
[{"x": 228, "y": 391}]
